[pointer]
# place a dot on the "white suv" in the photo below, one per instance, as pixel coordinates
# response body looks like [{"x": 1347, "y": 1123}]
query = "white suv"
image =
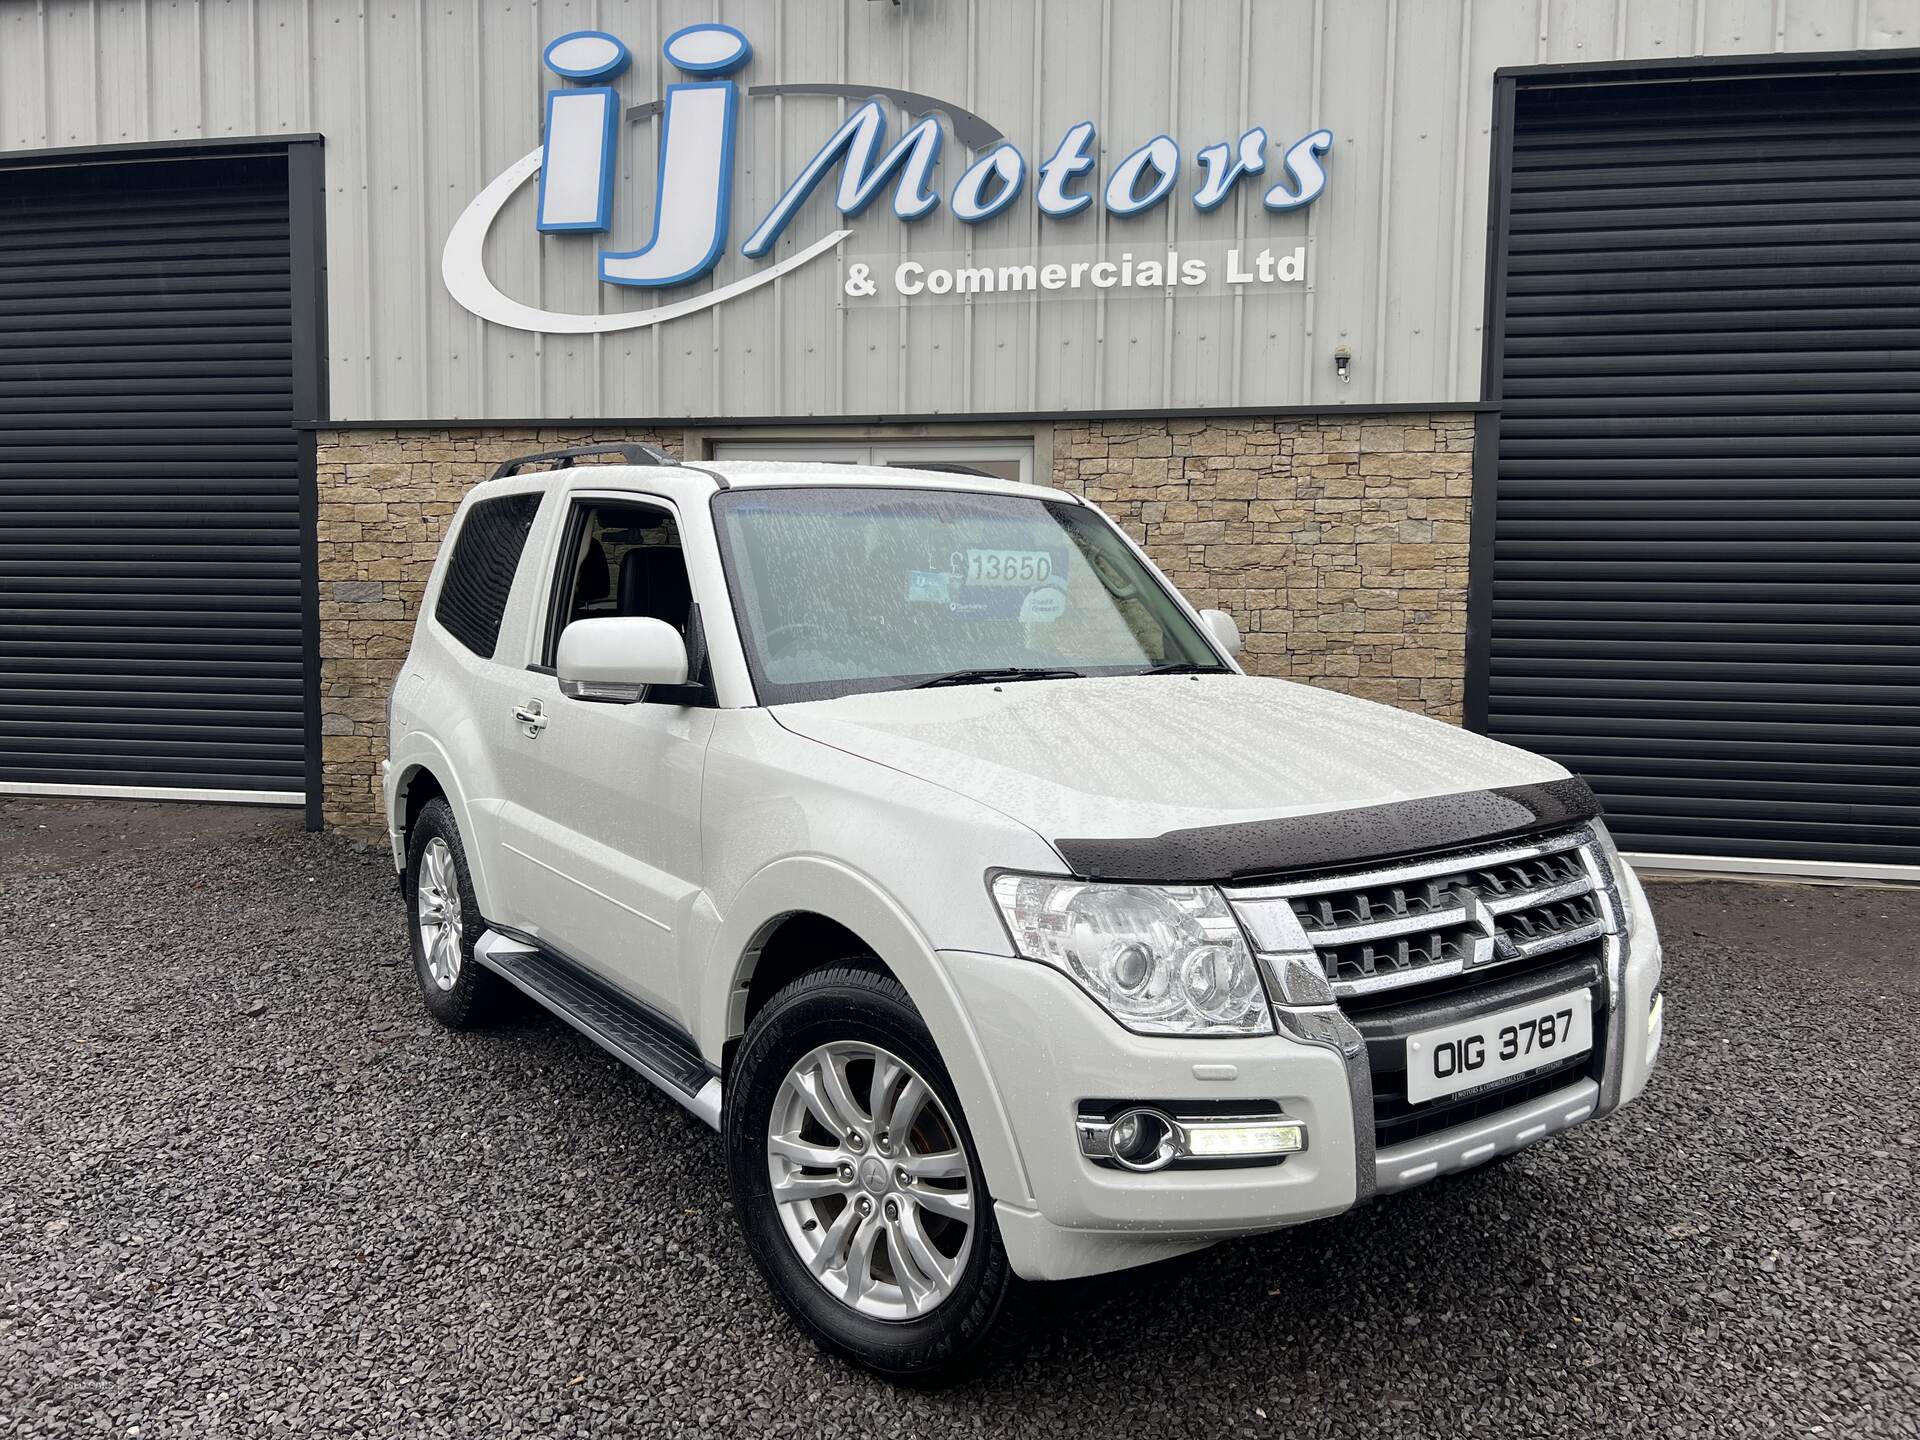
[{"x": 914, "y": 832}]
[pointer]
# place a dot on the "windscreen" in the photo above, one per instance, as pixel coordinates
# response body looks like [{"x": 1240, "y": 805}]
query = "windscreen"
[{"x": 845, "y": 589}]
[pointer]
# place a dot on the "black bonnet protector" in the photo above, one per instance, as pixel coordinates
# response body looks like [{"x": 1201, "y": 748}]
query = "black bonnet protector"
[{"x": 1257, "y": 849}]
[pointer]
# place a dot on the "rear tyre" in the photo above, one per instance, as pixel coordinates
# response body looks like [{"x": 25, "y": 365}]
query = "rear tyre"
[
  {"x": 443, "y": 922},
  {"x": 858, "y": 1186}
]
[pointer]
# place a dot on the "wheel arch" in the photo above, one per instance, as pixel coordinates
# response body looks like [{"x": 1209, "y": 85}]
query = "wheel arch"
[
  {"x": 786, "y": 947},
  {"x": 811, "y": 900},
  {"x": 424, "y": 774},
  {"x": 416, "y": 786}
]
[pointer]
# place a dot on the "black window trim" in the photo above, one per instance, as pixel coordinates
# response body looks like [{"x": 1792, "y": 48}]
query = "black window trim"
[{"x": 558, "y": 584}]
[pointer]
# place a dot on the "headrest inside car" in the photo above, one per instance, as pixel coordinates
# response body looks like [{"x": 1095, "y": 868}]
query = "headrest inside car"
[{"x": 653, "y": 583}]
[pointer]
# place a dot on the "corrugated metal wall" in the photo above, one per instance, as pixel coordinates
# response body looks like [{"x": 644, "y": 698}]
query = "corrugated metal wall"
[{"x": 421, "y": 104}]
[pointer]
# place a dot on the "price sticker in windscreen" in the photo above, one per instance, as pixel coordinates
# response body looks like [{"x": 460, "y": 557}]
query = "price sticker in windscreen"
[{"x": 1026, "y": 568}]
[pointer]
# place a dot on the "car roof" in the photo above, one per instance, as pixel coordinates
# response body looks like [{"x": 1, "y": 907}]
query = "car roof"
[{"x": 773, "y": 474}]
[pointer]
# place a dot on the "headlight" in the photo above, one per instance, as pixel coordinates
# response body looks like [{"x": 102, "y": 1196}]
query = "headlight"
[{"x": 1164, "y": 960}]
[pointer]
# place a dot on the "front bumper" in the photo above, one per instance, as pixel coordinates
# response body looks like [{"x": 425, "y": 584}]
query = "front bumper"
[{"x": 1049, "y": 1049}]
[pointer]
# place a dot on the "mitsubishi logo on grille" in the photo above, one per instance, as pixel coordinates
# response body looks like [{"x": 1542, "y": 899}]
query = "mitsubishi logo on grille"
[{"x": 1491, "y": 943}]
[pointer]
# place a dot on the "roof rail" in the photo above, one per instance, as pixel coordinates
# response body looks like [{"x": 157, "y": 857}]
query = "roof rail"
[{"x": 563, "y": 459}]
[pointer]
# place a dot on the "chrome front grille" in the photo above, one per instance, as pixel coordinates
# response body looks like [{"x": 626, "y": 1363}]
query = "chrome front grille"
[{"x": 1359, "y": 933}]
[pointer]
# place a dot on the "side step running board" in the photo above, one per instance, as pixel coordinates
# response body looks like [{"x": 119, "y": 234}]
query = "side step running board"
[{"x": 663, "y": 1054}]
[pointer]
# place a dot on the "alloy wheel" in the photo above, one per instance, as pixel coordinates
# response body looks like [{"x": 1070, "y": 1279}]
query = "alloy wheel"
[
  {"x": 438, "y": 909},
  {"x": 870, "y": 1180}
]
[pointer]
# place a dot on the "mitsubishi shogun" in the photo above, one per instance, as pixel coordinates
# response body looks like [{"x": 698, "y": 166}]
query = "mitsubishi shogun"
[{"x": 911, "y": 830}]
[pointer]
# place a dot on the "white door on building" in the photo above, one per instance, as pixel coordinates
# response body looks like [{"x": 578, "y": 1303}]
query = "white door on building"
[{"x": 1005, "y": 460}]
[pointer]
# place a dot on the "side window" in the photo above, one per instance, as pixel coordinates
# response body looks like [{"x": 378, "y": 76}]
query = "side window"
[
  {"x": 486, "y": 552},
  {"x": 622, "y": 558}
]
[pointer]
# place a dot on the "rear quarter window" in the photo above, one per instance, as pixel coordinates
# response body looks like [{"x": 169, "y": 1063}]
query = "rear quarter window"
[{"x": 486, "y": 552}]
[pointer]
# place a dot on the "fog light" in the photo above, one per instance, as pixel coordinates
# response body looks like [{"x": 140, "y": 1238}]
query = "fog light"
[
  {"x": 1243, "y": 1139},
  {"x": 1145, "y": 1138},
  {"x": 1142, "y": 1140},
  {"x": 1656, "y": 1026}
]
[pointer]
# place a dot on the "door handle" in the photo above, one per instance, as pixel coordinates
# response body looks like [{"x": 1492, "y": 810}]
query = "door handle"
[{"x": 531, "y": 717}]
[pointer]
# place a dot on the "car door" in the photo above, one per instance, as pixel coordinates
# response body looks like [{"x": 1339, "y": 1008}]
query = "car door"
[{"x": 601, "y": 835}]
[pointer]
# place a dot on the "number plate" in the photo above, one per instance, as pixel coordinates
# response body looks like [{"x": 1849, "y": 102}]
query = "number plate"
[{"x": 1496, "y": 1047}]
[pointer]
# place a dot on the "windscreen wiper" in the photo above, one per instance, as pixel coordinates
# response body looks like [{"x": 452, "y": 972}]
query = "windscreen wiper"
[
  {"x": 1182, "y": 667},
  {"x": 983, "y": 677}
]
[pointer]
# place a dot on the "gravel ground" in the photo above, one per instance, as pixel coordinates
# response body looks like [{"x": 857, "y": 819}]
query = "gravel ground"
[{"x": 247, "y": 1189}]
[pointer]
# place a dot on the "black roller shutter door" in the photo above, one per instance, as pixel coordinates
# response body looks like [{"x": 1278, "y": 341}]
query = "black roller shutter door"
[
  {"x": 1704, "y": 587},
  {"x": 150, "y": 528}
]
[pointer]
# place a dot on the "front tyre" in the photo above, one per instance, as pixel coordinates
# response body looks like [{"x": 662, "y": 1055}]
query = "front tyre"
[
  {"x": 443, "y": 922},
  {"x": 857, "y": 1183}
]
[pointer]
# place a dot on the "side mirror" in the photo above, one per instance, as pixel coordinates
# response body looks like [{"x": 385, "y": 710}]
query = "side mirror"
[
  {"x": 616, "y": 657},
  {"x": 1225, "y": 633}
]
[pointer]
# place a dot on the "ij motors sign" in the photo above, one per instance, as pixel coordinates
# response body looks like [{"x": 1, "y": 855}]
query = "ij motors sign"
[{"x": 698, "y": 123}]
